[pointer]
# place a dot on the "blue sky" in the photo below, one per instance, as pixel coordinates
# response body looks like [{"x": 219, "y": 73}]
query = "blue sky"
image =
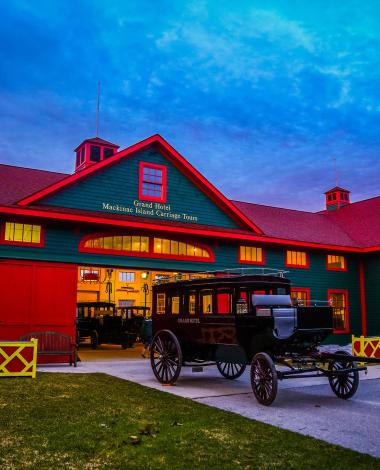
[{"x": 260, "y": 96}]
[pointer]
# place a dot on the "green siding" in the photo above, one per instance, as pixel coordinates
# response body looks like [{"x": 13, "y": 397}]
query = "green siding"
[
  {"x": 118, "y": 185},
  {"x": 62, "y": 240},
  {"x": 372, "y": 288}
]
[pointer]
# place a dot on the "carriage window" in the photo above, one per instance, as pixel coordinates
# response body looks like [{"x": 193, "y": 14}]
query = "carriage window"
[
  {"x": 175, "y": 305},
  {"x": 207, "y": 303},
  {"x": 160, "y": 308},
  {"x": 224, "y": 301},
  {"x": 192, "y": 300}
]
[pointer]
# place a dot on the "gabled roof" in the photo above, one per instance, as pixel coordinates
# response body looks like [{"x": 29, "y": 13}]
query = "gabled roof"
[
  {"x": 355, "y": 227},
  {"x": 18, "y": 182},
  {"x": 174, "y": 157}
]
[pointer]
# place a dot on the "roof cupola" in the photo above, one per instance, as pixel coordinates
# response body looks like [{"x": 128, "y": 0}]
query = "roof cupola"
[
  {"x": 336, "y": 198},
  {"x": 92, "y": 151}
]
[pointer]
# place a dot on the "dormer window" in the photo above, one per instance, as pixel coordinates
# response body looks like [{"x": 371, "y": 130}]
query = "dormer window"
[{"x": 152, "y": 182}]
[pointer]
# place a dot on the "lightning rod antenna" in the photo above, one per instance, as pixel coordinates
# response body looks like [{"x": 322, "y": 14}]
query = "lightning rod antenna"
[{"x": 97, "y": 111}]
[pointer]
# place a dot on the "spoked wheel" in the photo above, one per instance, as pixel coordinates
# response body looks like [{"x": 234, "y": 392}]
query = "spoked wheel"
[
  {"x": 343, "y": 385},
  {"x": 263, "y": 378},
  {"x": 230, "y": 370},
  {"x": 166, "y": 357}
]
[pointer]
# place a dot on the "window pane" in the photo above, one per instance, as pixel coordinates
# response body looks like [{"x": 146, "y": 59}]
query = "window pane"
[
  {"x": 94, "y": 153},
  {"x": 136, "y": 243},
  {"x": 127, "y": 244},
  {"x": 144, "y": 244},
  {"x": 207, "y": 303},
  {"x": 166, "y": 247},
  {"x": 160, "y": 308},
  {"x": 9, "y": 231},
  {"x": 182, "y": 249},
  {"x": 224, "y": 303},
  {"x": 107, "y": 242},
  {"x": 192, "y": 304},
  {"x": 36, "y": 233},
  {"x": 158, "y": 245},
  {"x": 174, "y": 247},
  {"x": 118, "y": 243},
  {"x": 175, "y": 305}
]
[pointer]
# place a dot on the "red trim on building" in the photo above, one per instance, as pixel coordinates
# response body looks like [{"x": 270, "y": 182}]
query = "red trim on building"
[
  {"x": 363, "y": 309},
  {"x": 180, "y": 162},
  {"x": 46, "y": 214},
  {"x": 163, "y": 184},
  {"x": 300, "y": 266},
  {"x": 345, "y": 268},
  {"x": 346, "y": 317},
  {"x": 145, "y": 254}
]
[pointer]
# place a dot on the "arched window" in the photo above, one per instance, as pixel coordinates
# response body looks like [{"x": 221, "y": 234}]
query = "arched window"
[{"x": 150, "y": 247}]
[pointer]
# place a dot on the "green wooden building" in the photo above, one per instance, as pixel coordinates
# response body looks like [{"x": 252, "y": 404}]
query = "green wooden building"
[{"x": 145, "y": 209}]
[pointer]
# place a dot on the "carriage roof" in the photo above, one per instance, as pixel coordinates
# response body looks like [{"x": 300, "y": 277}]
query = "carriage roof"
[{"x": 222, "y": 279}]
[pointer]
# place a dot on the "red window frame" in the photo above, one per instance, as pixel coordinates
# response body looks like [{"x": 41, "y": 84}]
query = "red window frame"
[
  {"x": 306, "y": 290},
  {"x": 346, "y": 328},
  {"x": 336, "y": 269},
  {"x": 3, "y": 241},
  {"x": 152, "y": 166},
  {"x": 257, "y": 263},
  {"x": 307, "y": 265}
]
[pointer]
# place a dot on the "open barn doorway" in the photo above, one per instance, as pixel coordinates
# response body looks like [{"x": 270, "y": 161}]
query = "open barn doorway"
[{"x": 112, "y": 303}]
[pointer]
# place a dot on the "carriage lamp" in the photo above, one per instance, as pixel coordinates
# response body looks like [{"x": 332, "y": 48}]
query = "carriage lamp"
[
  {"x": 144, "y": 275},
  {"x": 241, "y": 307}
]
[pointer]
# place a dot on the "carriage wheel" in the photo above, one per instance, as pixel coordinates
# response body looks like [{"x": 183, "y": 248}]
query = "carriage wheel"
[
  {"x": 263, "y": 378},
  {"x": 344, "y": 385},
  {"x": 230, "y": 370},
  {"x": 166, "y": 357}
]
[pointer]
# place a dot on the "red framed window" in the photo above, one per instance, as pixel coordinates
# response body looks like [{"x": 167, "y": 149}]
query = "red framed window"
[
  {"x": 15, "y": 233},
  {"x": 338, "y": 299},
  {"x": 336, "y": 263},
  {"x": 144, "y": 246},
  {"x": 300, "y": 295},
  {"x": 251, "y": 255},
  {"x": 152, "y": 182},
  {"x": 296, "y": 259},
  {"x": 89, "y": 275}
]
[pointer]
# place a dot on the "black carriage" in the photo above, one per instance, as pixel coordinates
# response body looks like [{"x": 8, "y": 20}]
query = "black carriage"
[
  {"x": 104, "y": 323},
  {"x": 248, "y": 319}
]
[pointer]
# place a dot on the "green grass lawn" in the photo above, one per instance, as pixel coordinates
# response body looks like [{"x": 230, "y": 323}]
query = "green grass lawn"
[{"x": 97, "y": 421}]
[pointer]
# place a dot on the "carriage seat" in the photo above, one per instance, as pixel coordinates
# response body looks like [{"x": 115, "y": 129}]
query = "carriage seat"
[
  {"x": 284, "y": 315},
  {"x": 285, "y": 322}
]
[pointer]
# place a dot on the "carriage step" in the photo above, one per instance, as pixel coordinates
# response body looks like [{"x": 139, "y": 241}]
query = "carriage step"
[{"x": 197, "y": 369}]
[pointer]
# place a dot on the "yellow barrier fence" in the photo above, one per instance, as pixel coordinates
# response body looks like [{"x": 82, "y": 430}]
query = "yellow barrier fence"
[
  {"x": 366, "y": 346},
  {"x": 18, "y": 358}
]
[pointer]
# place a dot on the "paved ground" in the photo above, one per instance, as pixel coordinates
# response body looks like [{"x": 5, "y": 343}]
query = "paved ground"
[{"x": 306, "y": 406}]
